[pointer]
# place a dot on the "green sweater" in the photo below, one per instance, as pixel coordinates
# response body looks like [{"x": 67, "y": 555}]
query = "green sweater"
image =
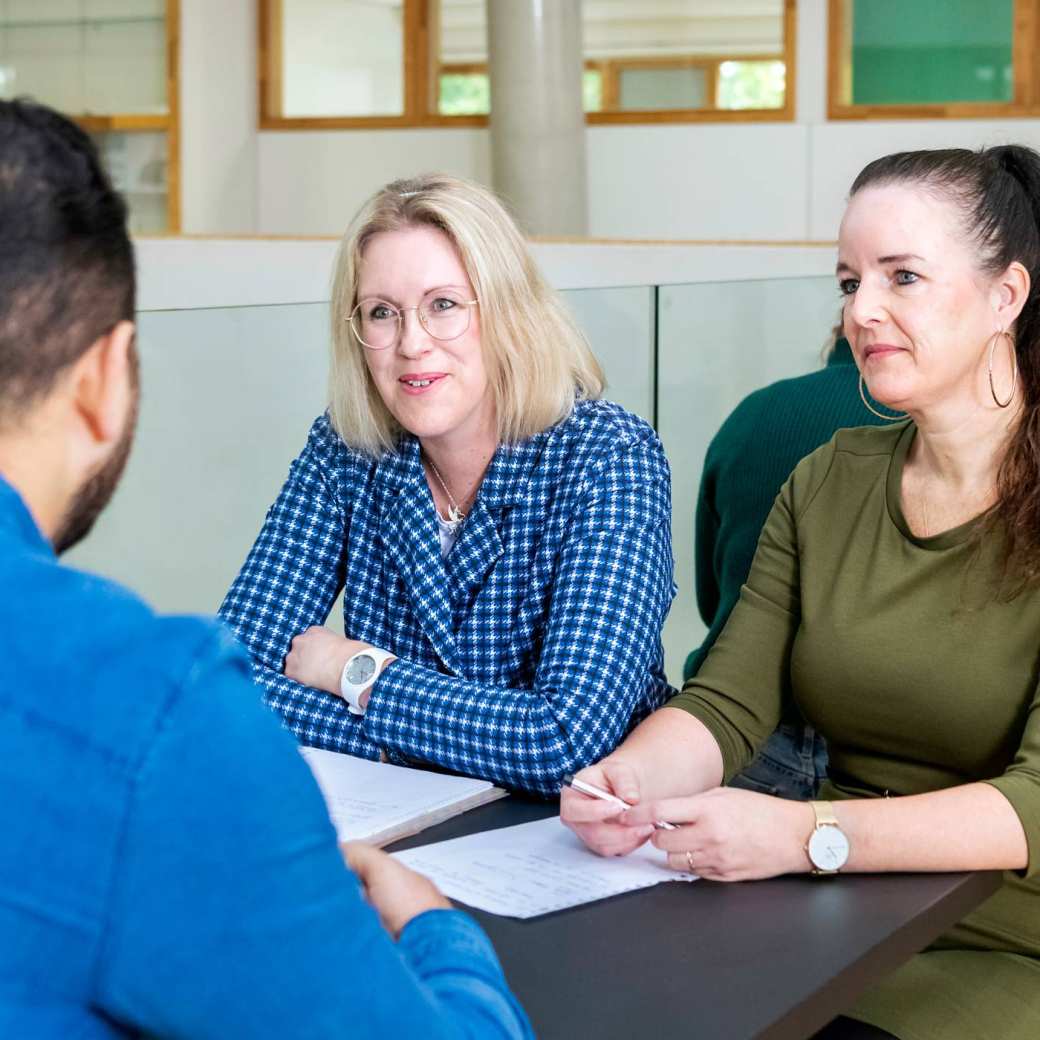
[
  {"x": 896, "y": 650},
  {"x": 748, "y": 460}
]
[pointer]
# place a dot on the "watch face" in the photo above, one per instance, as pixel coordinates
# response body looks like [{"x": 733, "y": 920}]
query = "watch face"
[
  {"x": 361, "y": 669},
  {"x": 828, "y": 848}
]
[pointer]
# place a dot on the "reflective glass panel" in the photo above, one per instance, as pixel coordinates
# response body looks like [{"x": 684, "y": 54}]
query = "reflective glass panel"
[
  {"x": 686, "y": 54},
  {"x": 930, "y": 51},
  {"x": 85, "y": 57},
  {"x": 340, "y": 57}
]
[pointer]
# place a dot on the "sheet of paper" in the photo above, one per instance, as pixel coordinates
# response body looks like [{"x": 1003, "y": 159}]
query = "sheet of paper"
[
  {"x": 534, "y": 868},
  {"x": 366, "y": 798}
]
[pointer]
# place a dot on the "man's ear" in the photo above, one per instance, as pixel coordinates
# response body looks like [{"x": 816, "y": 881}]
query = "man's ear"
[{"x": 102, "y": 383}]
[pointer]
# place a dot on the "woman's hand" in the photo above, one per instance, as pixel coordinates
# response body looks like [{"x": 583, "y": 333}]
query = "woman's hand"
[
  {"x": 397, "y": 893},
  {"x": 598, "y": 823},
  {"x": 729, "y": 834},
  {"x": 317, "y": 656}
]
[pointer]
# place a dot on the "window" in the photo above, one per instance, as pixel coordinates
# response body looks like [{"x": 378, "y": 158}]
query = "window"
[
  {"x": 933, "y": 58},
  {"x": 356, "y": 63},
  {"x": 344, "y": 58},
  {"x": 691, "y": 60},
  {"x": 337, "y": 63},
  {"x": 62, "y": 53}
]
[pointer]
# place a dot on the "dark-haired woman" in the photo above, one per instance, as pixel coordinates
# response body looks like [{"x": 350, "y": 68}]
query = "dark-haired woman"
[{"x": 895, "y": 596}]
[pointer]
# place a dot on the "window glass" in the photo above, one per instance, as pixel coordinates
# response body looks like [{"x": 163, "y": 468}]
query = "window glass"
[
  {"x": 416, "y": 62},
  {"x": 85, "y": 57},
  {"x": 592, "y": 90},
  {"x": 662, "y": 88},
  {"x": 138, "y": 165},
  {"x": 680, "y": 55},
  {"x": 464, "y": 94},
  {"x": 460, "y": 56},
  {"x": 104, "y": 63},
  {"x": 931, "y": 51},
  {"x": 341, "y": 57},
  {"x": 751, "y": 84},
  {"x": 686, "y": 54}
]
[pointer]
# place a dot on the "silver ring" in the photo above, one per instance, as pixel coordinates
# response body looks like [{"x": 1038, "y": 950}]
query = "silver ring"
[{"x": 689, "y": 862}]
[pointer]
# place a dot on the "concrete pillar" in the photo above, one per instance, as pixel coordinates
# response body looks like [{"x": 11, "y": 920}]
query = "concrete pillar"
[{"x": 537, "y": 123}]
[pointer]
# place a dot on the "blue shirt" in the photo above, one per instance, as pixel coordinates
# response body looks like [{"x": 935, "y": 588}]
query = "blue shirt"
[
  {"x": 528, "y": 652},
  {"x": 167, "y": 865}
]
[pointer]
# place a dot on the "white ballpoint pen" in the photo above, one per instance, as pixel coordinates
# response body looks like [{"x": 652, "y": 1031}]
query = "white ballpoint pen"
[{"x": 597, "y": 792}]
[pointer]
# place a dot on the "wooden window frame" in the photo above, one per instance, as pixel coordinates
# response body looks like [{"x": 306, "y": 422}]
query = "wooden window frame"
[
  {"x": 1026, "y": 82},
  {"x": 420, "y": 89},
  {"x": 169, "y": 122}
]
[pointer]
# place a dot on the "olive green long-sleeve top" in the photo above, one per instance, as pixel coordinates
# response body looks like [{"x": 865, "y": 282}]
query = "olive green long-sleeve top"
[{"x": 900, "y": 652}]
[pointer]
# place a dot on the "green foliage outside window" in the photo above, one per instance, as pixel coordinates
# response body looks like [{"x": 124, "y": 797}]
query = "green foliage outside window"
[
  {"x": 469, "y": 93},
  {"x": 465, "y": 94},
  {"x": 592, "y": 90},
  {"x": 751, "y": 84}
]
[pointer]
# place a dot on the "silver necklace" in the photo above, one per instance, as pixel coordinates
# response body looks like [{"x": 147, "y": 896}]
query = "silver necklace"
[{"x": 455, "y": 515}]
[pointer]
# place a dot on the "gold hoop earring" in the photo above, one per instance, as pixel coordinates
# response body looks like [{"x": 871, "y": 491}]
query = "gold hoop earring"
[
  {"x": 871, "y": 408},
  {"x": 1003, "y": 333}
]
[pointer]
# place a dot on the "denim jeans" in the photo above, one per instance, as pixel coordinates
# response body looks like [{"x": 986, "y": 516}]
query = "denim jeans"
[{"x": 791, "y": 764}]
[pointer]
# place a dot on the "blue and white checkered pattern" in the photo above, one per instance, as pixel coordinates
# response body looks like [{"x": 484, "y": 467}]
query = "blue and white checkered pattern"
[{"x": 528, "y": 652}]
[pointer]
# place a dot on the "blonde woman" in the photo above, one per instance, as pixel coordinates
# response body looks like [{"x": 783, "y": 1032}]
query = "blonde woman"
[{"x": 500, "y": 535}]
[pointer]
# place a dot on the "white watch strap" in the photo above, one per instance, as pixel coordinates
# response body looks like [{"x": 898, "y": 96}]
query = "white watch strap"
[{"x": 351, "y": 692}]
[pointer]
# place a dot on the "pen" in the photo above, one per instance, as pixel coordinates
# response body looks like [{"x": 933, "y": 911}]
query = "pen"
[{"x": 597, "y": 792}]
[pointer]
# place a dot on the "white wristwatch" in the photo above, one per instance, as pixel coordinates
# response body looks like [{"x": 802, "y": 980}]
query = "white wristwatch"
[
  {"x": 358, "y": 674},
  {"x": 828, "y": 845}
]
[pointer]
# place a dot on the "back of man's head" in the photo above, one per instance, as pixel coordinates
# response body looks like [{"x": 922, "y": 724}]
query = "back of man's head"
[{"x": 66, "y": 262}]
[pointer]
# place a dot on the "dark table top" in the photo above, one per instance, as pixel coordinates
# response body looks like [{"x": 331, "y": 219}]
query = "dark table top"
[{"x": 773, "y": 960}]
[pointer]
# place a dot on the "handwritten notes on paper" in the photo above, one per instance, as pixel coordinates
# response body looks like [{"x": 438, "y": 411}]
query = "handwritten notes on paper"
[
  {"x": 379, "y": 803},
  {"x": 533, "y": 869}
]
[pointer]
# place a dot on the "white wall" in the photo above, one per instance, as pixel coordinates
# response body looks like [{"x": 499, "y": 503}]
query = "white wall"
[
  {"x": 311, "y": 182},
  {"x": 771, "y": 181}
]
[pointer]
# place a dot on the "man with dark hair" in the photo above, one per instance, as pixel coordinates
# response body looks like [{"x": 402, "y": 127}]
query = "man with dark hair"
[{"x": 167, "y": 865}]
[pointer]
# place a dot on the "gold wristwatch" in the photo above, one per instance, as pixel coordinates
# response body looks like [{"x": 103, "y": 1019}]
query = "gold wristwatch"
[{"x": 828, "y": 846}]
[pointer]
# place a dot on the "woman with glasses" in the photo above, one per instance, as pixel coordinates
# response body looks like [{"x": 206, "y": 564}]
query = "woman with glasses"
[{"x": 500, "y": 535}]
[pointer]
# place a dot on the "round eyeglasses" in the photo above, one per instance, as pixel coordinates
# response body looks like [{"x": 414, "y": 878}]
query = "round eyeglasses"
[{"x": 443, "y": 313}]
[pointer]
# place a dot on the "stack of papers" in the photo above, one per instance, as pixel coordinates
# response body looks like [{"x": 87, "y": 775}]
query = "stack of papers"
[
  {"x": 380, "y": 803},
  {"x": 535, "y": 868}
]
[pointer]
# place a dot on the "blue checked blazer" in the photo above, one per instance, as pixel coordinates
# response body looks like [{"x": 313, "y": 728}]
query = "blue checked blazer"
[{"x": 528, "y": 652}]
